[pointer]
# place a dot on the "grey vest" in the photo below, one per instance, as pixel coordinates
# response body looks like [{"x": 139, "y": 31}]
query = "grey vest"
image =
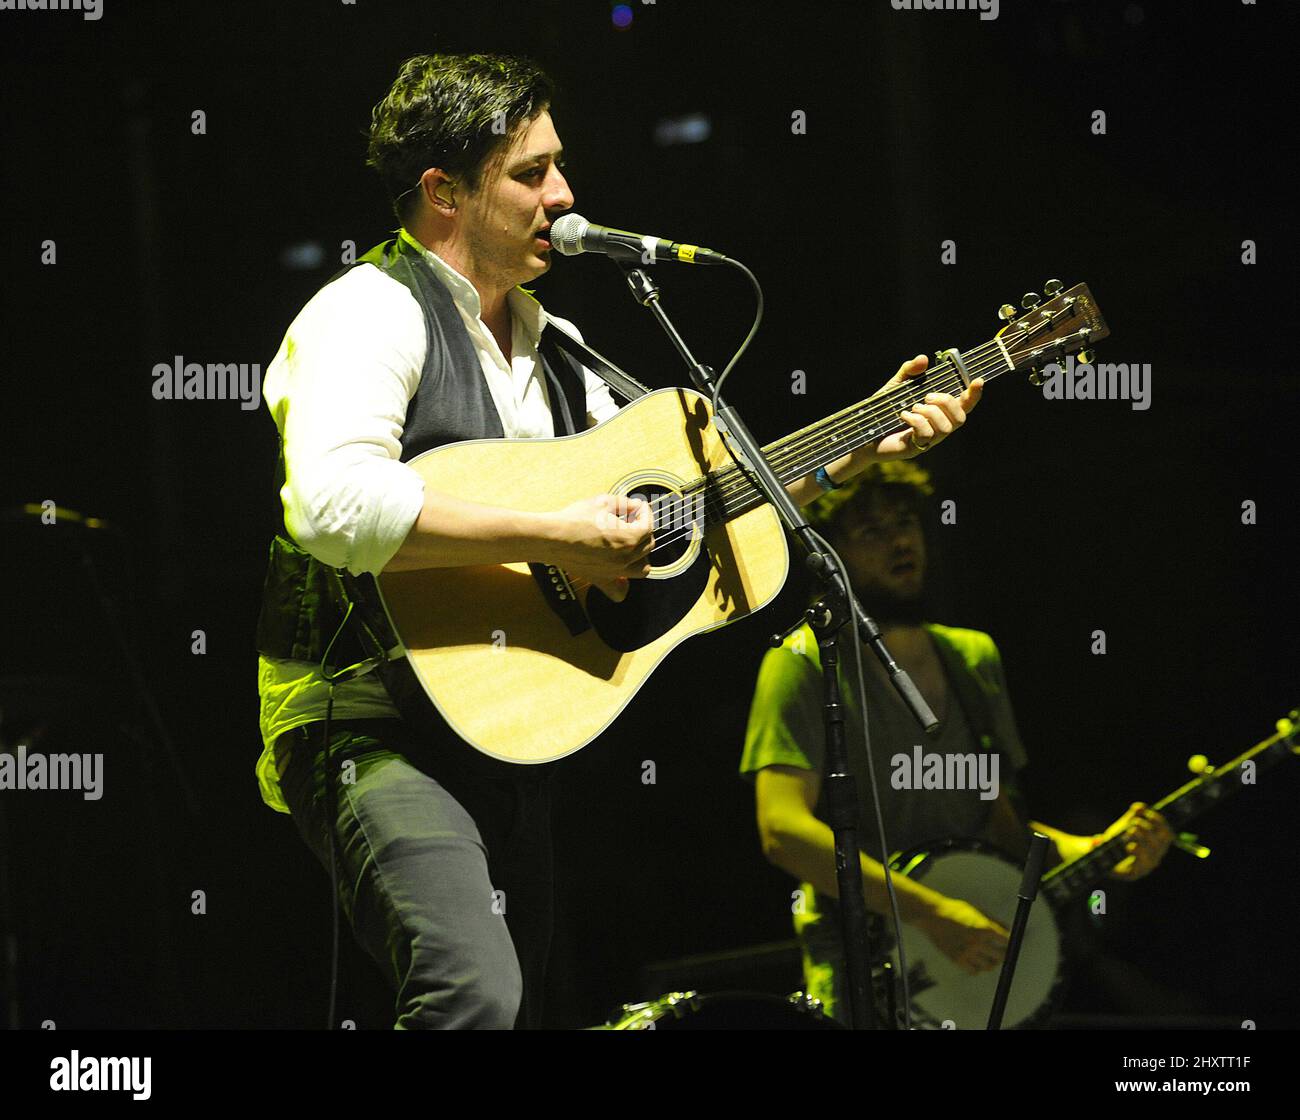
[{"x": 301, "y": 607}]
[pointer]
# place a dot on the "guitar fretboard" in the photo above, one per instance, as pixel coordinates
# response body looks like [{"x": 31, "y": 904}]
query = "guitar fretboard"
[
  {"x": 1065, "y": 324},
  {"x": 730, "y": 491}
]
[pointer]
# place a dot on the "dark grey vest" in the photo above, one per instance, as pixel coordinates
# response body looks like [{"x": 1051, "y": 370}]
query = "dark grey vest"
[{"x": 301, "y": 608}]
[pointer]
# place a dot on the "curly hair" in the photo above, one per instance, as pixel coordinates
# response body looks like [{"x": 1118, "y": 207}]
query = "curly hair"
[
  {"x": 454, "y": 112},
  {"x": 902, "y": 479}
]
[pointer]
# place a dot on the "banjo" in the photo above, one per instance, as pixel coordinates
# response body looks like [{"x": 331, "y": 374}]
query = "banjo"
[{"x": 944, "y": 996}]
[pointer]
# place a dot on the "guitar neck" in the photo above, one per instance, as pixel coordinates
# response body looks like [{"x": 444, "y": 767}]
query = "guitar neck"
[
  {"x": 1069, "y": 321},
  {"x": 877, "y": 417},
  {"x": 728, "y": 492},
  {"x": 1187, "y": 802}
]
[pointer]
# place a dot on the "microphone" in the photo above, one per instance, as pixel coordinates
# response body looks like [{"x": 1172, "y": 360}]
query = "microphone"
[{"x": 572, "y": 234}]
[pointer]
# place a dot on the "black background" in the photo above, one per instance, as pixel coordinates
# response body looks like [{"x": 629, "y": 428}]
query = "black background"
[{"x": 922, "y": 126}]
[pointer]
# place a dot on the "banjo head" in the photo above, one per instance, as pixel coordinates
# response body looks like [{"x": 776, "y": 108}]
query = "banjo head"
[{"x": 943, "y": 995}]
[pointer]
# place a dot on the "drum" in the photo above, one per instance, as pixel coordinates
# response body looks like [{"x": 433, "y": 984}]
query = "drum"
[{"x": 723, "y": 1011}]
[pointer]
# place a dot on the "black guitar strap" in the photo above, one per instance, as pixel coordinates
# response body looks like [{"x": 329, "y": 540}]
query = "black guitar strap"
[
  {"x": 376, "y": 634},
  {"x": 624, "y": 384},
  {"x": 970, "y": 695},
  {"x": 978, "y": 711}
]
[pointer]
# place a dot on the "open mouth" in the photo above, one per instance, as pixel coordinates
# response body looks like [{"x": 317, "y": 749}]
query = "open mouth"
[{"x": 544, "y": 235}]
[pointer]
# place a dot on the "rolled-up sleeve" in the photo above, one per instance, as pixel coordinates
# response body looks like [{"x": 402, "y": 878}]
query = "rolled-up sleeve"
[
  {"x": 339, "y": 389},
  {"x": 785, "y": 722}
]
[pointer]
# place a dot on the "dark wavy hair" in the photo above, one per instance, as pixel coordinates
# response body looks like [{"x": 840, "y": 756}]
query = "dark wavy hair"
[
  {"x": 901, "y": 479},
  {"x": 441, "y": 112}
]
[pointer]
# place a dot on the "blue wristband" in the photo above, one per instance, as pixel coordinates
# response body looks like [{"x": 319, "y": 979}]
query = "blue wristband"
[{"x": 824, "y": 480}]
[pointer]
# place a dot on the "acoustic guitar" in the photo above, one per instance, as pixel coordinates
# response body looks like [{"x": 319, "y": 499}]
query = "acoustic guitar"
[{"x": 527, "y": 664}]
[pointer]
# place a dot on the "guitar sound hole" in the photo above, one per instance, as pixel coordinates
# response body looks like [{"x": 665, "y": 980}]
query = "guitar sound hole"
[
  {"x": 675, "y": 519},
  {"x": 655, "y": 606}
]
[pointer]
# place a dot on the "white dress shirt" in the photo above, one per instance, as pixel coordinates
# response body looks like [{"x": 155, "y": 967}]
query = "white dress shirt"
[{"x": 338, "y": 389}]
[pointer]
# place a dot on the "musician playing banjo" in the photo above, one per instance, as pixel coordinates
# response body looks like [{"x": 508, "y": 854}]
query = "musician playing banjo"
[
  {"x": 444, "y": 853},
  {"x": 875, "y": 523}
]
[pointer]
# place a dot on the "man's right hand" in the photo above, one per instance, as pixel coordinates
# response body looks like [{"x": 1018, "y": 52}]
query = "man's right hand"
[
  {"x": 965, "y": 935},
  {"x": 606, "y": 539}
]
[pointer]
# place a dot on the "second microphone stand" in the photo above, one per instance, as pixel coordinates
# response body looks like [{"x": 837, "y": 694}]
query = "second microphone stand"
[{"x": 836, "y": 607}]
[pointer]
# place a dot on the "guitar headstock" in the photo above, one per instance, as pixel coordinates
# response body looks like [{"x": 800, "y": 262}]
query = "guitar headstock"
[{"x": 1067, "y": 323}]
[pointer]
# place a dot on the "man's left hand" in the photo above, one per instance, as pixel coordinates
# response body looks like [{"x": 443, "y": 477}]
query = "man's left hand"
[
  {"x": 1146, "y": 839},
  {"x": 931, "y": 422}
]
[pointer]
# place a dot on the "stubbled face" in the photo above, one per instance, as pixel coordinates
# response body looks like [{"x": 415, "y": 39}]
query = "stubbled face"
[
  {"x": 505, "y": 223},
  {"x": 884, "y": 550}
]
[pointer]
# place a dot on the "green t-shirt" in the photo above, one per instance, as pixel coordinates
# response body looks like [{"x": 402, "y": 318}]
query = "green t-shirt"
[{"x": 785, "y": 728}]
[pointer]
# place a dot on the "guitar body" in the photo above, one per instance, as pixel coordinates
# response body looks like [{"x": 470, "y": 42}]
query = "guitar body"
[{"x": 526, "y": 675}]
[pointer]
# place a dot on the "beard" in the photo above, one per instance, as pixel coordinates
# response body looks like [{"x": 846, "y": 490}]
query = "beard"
[{"x": 892, "y": 608}]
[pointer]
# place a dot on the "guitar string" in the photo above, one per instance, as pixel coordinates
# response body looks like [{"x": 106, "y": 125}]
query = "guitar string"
[
  {"x": 983, "y": 355},
  {"x": 985, "y": 360},
  {"x": 731, "y": 481},
  {"x": 876, "y": 410},
  {"x": 736, "y": 482},
  {"x": 987, "y": 365},
  {"x": 843, "y": 433}
]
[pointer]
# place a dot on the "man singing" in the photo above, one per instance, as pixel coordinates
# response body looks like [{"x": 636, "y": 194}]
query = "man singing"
[{"x": 444, "y": 854}]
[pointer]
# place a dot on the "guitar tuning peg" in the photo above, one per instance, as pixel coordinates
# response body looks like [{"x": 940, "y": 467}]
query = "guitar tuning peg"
[
  {"x": 1199, "y": 764},
  {"x": 1030, "y": 300},
  {"x": 1036, "y": 376},
  {"x": 1187, "y": 842},
  {"x": 1006, "y": 312},
  {"x": 1086, "y": 357},
  {"x": 1052, "y": 289}
]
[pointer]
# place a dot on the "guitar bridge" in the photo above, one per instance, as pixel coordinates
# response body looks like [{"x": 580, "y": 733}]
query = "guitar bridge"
[{"x": 561, "y": 597}]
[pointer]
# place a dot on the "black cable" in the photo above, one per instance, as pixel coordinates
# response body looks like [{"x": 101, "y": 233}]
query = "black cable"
[
  {"x": 753, "y": 330},
  {"x": 875, "y": 790},
  {"x": 857, "y": 652}
]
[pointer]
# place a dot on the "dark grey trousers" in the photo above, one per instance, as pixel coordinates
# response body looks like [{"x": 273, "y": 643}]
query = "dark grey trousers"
[{"x": 445, "y": 867}]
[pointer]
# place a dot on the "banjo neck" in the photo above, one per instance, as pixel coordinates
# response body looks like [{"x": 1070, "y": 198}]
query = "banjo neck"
[
  {"x": 1211, "y": 786},
  {"x": 942, "y": 996}
]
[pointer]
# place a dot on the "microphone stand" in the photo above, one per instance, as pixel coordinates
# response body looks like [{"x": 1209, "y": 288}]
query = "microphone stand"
[
  {"x": 1029, "y": 880},
  {"x": 836, "y": 606}
]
